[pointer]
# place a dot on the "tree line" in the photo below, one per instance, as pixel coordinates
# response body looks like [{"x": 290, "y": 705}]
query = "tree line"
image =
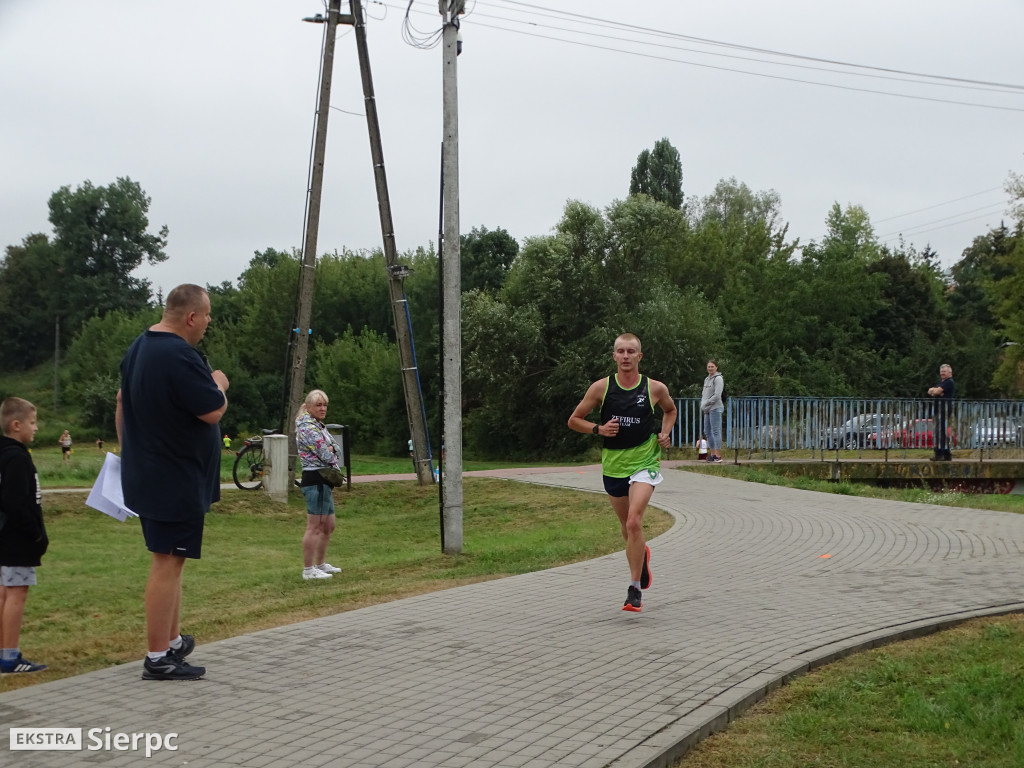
[{"x": 711, "y": 277}]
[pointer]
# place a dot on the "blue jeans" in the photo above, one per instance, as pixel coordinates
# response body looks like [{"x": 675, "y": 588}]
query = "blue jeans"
[{"x": 713, "y": 428}]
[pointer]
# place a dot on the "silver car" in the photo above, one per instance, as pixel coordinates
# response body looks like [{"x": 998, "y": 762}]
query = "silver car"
[{"x": 995, "y": 430}]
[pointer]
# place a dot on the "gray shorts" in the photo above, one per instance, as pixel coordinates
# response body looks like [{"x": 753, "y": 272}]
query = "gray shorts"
[{"x": 17, "y": 576}]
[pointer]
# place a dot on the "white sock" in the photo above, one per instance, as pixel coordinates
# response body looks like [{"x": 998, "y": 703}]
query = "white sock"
[
  {"x": 177, "y": 642},
  {"x": 309, "y": 569},
  {"x": 635, "y": 584},
  {"x": 157, "y": 655}
]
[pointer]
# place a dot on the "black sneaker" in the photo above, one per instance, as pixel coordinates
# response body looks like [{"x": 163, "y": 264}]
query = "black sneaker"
[
  {"x": 18, "y": 665},
  {"x": 188, "y": 644},
  {"x": 633, "y": 600},
  {"x": 170, "y": 667},
  {"x": 645, "y": 574}
]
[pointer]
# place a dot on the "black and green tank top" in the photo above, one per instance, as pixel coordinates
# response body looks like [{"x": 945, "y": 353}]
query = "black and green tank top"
[{"x": 636, "y": 446}]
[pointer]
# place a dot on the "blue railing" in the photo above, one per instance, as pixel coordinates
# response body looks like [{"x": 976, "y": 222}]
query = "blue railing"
[{"x": 835, "y": 426}]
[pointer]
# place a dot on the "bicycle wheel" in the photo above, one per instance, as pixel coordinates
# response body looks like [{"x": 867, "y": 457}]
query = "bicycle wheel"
[{"x": 248, "y": 471}]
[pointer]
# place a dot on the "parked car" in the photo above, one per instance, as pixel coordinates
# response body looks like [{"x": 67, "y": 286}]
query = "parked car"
[
  {"x": 920, "y": 433},
  {"x": 995, "y": 430},
  {"x": 865, "y": 430}
]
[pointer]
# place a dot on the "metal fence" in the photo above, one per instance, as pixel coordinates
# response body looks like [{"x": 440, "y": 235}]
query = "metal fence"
[{"x": 835, "y": 426}]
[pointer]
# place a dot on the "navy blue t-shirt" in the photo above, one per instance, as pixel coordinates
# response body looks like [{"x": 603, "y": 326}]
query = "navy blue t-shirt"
[{"x": 170, "y": 459}]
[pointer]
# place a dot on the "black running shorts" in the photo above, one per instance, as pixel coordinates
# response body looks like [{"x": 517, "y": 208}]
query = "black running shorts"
[
  {"x": 183, "y": 538},
  {"x": 616, "y": 486}
]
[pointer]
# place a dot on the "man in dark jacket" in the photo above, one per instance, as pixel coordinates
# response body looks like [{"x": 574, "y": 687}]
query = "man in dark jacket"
[
  {"x": 943, "y": 392},
  {"x": 23, "y": 539}
]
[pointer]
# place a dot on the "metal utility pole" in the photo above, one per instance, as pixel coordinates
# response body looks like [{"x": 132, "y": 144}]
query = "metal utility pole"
[
  {"x": 451, "y": 279},
  {"x": 296, "y": 388},
  {"x": 414, "y": 411}
]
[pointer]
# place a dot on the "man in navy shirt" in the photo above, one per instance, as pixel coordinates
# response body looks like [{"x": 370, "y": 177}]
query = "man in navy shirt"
[
  {"x": 944, "y": 392},
  {"x": 168, "y": 409}
]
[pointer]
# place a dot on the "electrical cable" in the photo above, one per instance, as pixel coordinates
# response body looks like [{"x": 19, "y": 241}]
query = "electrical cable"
[
  {"x": 580, "y": 18},
  {"x": 945, "y": 81}
]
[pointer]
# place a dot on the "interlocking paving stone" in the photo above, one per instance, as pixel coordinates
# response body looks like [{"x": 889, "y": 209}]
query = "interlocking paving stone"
[{"x": 545, "y": 668}]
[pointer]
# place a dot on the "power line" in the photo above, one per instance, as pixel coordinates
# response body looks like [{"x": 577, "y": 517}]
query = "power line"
[
  {"x": 939, "y": 205},
  {"x": 921, "y": 229},
  {"x": 765, "y": 75},
  {"x": 966, "y": 85},
  {"x": 949, "y": 82},
  {"x": 580, "y": 18}
]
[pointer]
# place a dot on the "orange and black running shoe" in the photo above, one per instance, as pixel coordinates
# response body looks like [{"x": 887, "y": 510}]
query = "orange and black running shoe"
[{"x": 633, "y": 600}]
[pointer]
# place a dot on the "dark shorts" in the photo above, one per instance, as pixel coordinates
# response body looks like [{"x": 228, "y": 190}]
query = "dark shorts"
[
  {"x": 65, "y": 449},
  {"x": 183, "y": 538},
  {"x": 616, "y": 486}
]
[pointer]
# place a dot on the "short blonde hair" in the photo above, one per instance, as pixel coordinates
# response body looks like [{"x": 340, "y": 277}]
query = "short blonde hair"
[
  {"x": 628, "y": 337},
  {"x": 14, "y": 409}
]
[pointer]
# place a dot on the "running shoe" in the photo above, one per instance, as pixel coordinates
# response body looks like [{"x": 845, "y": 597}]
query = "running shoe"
[
  {"x": 19, "y": 664},
  {"x": 633, "y": 600},
  {"x": 328, "y": 568},
  {"x": 170, "y": 667},
  {"x": 188, "y": 644},
  {"x": 645, "y": 575},
  {"x": 316, "y": 573}
]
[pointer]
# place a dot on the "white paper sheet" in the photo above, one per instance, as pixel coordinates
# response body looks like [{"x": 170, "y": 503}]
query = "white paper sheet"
[{"x": 106, "y": 494}]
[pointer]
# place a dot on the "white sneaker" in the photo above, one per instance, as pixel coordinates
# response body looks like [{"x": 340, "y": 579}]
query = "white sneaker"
[
  {"x": 327, "y": 568},
  {"x": 315, "y": 573}
]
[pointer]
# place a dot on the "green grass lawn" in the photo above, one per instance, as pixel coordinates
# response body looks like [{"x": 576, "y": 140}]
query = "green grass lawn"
[
  {"x": 86, "y": 612},
  {"x": 951, "y": 699}
]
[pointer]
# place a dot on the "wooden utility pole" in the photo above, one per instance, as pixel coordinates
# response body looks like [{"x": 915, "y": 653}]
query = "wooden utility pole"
[
  {"x": 296, "y": 388},
  {"x": 415, "y": 414},
  {"x": 451, "y": 266}
]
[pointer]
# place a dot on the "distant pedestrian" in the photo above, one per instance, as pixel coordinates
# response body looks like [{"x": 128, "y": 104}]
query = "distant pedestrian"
[
  {"x": 99, "y": 444},
  {"x": 227, "y": 443},
  {"x": 23, "y": 540},
  {"x": 631, "y": 450},
  {"x": 702, "y": 448},
  {"x": 943, "y": 392},
  {"x": 65, "y": 446},
  {"x": 711, "y": 407},
  {"x": 317, "y": 450}
]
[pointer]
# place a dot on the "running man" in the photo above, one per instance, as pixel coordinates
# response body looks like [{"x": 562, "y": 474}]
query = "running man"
[{"x": 631, "y": 454}]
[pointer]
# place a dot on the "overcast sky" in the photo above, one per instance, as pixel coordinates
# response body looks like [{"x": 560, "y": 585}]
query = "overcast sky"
[{"x": 209, "y": 105}]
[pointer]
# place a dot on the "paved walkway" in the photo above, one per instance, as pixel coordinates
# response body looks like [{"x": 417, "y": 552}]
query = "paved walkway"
[{"x": 752, "y": 585}]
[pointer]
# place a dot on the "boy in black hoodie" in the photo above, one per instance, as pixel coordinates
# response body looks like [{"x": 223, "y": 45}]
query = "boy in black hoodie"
[{"x": 23, "y": 538}]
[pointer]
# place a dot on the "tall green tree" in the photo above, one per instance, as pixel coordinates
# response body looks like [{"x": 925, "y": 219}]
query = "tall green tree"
[
  {"x": 531, "y": 350},
  {"x": 486, "y": 257},
  {"x": 659, "y": 173},
  {"x": 28, "y": 303},
  {"x": 1009, "y": 295},
  {"x": 102, "y": 235}
]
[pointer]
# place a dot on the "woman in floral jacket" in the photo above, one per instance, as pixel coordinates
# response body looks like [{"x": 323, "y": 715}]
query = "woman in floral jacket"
[{"x": 317, "y": 450}]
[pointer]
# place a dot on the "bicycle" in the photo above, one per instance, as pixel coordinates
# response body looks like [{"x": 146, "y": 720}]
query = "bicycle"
[{"x": 249, "y": 463}]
